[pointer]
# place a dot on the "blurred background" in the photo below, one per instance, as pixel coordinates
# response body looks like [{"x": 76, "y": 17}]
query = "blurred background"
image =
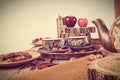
[{"x": 21, "y": 21}]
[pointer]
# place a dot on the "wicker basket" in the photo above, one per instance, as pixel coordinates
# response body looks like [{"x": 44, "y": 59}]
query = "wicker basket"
[{"x": 115, "y": 34}]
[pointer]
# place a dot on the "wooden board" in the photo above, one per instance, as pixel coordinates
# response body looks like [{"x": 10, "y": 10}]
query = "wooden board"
[{"x": 107, "y": 68}]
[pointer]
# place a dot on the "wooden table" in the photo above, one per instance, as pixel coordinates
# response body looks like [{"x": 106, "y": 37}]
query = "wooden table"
[
  {"x": 69, "y": 70},
  {"x": 8, "y": 73}
]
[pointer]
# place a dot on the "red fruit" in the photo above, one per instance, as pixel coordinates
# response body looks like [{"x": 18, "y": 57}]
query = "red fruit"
[
  {"x": 35, "y": 40},
  {"x": 70, "y": 21},
  {"x": 82, "y": 22},
  {"x": 41, "y": 38}
]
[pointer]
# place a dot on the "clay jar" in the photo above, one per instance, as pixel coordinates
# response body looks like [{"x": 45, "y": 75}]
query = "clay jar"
[{"x": 70, "y": 21}]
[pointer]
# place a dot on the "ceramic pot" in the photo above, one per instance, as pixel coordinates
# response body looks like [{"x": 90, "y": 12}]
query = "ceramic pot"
[{"x": 103, "y": 32}]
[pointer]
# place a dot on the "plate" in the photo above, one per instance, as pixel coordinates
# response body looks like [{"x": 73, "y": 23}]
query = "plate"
[
  {"x": 76, "y": 53},
  {"x": 34, "y": 55},
  {"x": 67, "y": 56},
  {"x": 88, "y": 47},
  {"x": 42, "y": 50},
  {"x": 37, "y": 44}
]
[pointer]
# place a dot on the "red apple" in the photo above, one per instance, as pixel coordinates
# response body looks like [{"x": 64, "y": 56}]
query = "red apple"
[
  {"x": 82, "y": 22},
  {"x": 70, "y": 21}
]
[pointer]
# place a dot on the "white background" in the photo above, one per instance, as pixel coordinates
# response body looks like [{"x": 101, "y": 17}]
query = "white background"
[{"x": 21, "y": 21}]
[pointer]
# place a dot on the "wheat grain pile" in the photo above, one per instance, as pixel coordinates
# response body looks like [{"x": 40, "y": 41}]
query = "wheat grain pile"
[{"x": 71, "y": 70}]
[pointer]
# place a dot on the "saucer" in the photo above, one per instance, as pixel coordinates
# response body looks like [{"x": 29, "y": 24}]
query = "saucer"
[{"x": 43, "y": 50}]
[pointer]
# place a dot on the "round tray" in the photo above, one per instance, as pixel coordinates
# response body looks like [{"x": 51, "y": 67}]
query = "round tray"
[
  {"x": 34, "y": 55},
  {"x": 66, "y": 55}
]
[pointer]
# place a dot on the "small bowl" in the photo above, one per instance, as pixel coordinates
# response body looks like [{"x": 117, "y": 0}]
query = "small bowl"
[
  {"x": 56, "y": 43},
  {"x": 76, "y": 41}
]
